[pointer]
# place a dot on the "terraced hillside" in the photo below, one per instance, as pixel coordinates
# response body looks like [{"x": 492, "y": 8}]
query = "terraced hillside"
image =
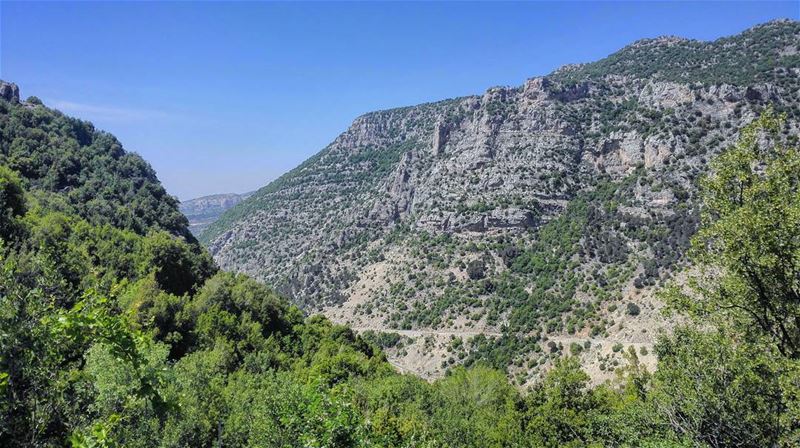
[{"x": 515, "y": 225}]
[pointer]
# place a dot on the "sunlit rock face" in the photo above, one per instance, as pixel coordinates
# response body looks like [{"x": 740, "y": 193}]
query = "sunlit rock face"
[{"x": 506, "y": 162}]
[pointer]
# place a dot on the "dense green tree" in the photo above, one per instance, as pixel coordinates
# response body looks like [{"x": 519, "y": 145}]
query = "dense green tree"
[
  {"x": 34, "y": 404},
  {"x": 748, "y": 249},
  {"x": 476, "y": 408},
  {"x": 716, "y": 391},
  {"x": 397, "y": 409},
  {"x": 179, "y": 266},
  {"x": 248, "y": 301},
  {"x": 12, "y": 203},
  {"x": 737, "y": 384},
  {"x": 563, "y": 410}
]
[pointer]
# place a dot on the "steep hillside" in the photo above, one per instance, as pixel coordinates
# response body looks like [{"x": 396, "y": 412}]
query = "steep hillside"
[
  {"x": 80, "y": 170},
  {"x": 109, "y": 309},
  {"x": 512, "y": 226},
  {"x": 205, "y": 210}
]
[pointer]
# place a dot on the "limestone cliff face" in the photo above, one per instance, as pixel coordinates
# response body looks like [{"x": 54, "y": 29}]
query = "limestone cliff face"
[
  {"x": 535, "y": 212},
  {"x": 507, "y": 161}
]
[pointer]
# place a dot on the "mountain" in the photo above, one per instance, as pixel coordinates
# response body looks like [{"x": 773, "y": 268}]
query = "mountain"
[
  {"x": 505, "y": 226},
  {"x": 117, "y": 330},
  {"x": 77, "y": 169},
  {"x": 205, "y": 210},
  {"x": 102, "y": 208},
  {"x": 109, "y": 308}
]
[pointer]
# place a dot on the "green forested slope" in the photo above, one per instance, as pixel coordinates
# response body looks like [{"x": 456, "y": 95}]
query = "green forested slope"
[
  {"x": 759, "y": 54},
  {"x": 93, "y": 176}
]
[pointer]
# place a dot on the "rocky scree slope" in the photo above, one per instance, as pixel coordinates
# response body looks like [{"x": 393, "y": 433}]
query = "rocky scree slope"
[{"x": 521, "y": 224}]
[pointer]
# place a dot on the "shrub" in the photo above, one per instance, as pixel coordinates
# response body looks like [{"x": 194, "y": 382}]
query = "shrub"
[{"x": 476, "y": 269}]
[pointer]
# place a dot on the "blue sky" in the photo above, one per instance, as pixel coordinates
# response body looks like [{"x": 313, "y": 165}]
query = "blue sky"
[{"x": 225, "y": 97}]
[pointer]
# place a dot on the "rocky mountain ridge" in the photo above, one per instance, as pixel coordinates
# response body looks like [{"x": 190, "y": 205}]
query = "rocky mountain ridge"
[{"x": 541, "y": 213}]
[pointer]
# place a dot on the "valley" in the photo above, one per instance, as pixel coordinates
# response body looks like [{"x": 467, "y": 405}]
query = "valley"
[
  {"x": 534, "y": 212},
  {"x": 607, "y": 255},
  {"x": 203, "y": 211}
]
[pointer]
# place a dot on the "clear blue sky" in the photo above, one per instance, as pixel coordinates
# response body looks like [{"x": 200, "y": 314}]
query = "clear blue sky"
[{"x": 224, "y": 97}]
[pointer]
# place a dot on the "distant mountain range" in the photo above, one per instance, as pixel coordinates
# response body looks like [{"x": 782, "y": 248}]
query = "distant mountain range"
[
  {"x": 502, "y": 227},
  {"x": 205, "y": 210}
]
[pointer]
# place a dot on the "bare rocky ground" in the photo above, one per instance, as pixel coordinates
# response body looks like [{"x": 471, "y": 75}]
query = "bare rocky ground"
[{"x": 424, "y": 350}]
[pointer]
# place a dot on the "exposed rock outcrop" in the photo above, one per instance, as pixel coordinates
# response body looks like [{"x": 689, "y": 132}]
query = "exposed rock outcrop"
[
  {"x": 9, "y": 91},
  {"x": 550, "y": 191},
  {"x": 506, "y": 161}
]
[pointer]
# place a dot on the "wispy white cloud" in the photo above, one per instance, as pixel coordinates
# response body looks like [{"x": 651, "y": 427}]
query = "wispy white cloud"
[{"x": 109, "y": 113}]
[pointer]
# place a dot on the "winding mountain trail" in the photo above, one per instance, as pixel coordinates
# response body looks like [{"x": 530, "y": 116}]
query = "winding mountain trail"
[
  {"x": 425, "y": 361},
  {"x": 417, "y": 333},
  {"x": 464, "y": 333}
]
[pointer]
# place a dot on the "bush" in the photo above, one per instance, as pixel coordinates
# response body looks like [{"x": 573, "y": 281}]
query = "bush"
[
  {"x": 12, "y": 202},
  {"x": 476, "y": 269},
  {"x": 633, "y": 309}
]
